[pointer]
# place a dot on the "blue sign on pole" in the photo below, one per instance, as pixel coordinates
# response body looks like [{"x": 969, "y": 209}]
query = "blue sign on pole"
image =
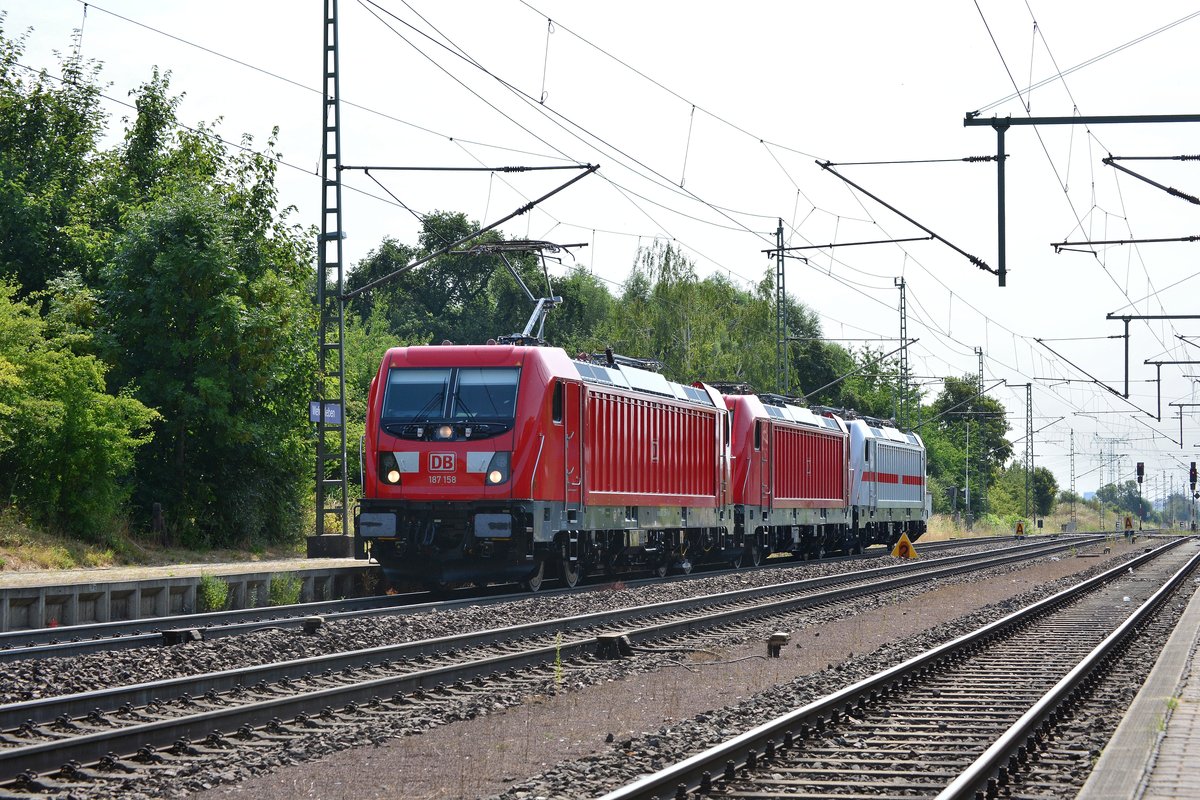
[{"x": 333, "y": 412}]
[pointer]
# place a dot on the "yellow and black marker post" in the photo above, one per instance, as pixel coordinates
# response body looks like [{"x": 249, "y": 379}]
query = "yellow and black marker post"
[{"x": 904, "y": 548}]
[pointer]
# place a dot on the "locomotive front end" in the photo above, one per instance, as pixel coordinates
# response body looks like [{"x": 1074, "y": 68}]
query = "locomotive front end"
[{"x": 438, "y": 469}]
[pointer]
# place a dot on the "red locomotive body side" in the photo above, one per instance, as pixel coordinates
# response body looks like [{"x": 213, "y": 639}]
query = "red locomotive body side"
[
  {"x": 498, "y": 462},
  {"x": 791, "y": 479},
  {"x": 650, "y": 451},
  {"x": 809, "y": 467},
  {"x": 780, "y": 463}
]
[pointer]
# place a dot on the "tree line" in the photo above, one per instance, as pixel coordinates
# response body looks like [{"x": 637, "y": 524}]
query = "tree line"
[
  {"x": 157, "y": 328},
  {"x": 155, "y": 320}
]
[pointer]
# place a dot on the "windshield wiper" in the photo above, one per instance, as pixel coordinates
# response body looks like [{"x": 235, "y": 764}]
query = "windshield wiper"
[{"x": 435, "y": 401}]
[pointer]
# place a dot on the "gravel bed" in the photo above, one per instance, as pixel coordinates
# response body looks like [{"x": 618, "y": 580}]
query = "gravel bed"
[
  {"x": 29, "y": 680},
  {"x": 1078, "y": 741},
  {"x": 829, "y": 663},
  {"x": 652, "y": 751},
  {"x": 453, "y": 761}
]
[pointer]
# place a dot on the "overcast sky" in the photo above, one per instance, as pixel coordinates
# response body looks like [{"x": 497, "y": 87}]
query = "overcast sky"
[{"x": 707, "y": 120}]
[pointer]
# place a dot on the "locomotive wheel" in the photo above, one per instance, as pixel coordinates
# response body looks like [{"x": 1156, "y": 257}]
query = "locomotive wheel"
[
  {"x": 534, "y": 582},
  {"x": 736, "y": 561},
  {"x": 661, "y": 569},
  {"x": 570, "y": 572},
  {"x": 755, "y": 554}
]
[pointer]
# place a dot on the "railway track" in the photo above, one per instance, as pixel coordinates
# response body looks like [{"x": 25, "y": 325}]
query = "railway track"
[
  {"x": 207, "y": 715},
  {"x": 968, "y": 719},
  {"x": 152, "y": 632}
]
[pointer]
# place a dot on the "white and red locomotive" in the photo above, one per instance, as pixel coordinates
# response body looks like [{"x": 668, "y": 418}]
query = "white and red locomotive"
[{"x": 497, "y": 462}]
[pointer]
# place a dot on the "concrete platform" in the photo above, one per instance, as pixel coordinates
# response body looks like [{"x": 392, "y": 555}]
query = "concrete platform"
[
  {"x": 44, "y": 598},
  {"x": 1154, "y": 752}
]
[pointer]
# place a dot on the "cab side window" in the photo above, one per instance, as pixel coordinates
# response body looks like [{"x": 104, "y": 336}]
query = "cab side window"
[{"x": 556, "y": 407}]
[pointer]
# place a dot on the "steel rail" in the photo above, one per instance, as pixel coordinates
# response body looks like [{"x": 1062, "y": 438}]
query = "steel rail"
[
  {"x": 988, "y": 770},
  {"x": 48, "y": 755},
  {"x": 152, "y": 626},
  {"x": 47, "y": 709},
  {"x": 134, "y": 634},
  {"x": 702, "y": 767}
]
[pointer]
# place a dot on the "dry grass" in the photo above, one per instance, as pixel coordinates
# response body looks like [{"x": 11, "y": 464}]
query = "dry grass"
[
  {"x": 943, "y": 527},
  {"x": 24, "y": 548}
]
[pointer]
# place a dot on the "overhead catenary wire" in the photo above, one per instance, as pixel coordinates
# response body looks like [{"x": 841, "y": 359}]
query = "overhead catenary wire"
[
  {"x": 491, "y": 226},
  {"x": 1062, "y": 73},
  {"x": 960, "y": 303},
  {"x": 792, "y": 150}
]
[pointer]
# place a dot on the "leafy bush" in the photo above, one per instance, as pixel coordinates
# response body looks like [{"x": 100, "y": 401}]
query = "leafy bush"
[
  {"x": 285, "y": 590},
  {"x": 211, "y": 594},
  {"x": 66, "y": 445}
]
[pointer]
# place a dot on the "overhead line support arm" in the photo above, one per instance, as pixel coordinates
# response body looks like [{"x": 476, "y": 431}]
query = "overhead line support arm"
[
  {"x": 1168, "y": 189},
  {"x": 847, "y": 244},
  {"x": 462, "y": 169},
  {"x": 1060, "y": 246},
  {"x": 825, "y": 165},
  {"x": 523, "y": 209},
  {"x": 1001, "y": 124}
]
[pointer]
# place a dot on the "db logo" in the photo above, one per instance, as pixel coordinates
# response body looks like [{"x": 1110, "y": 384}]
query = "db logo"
[{"x": 441, "y": 462}]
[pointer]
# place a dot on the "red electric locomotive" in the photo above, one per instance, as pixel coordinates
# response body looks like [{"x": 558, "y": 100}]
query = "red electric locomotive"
[
  {"x": 502, "y": 462},
  {"x": 791, "y": 478}
]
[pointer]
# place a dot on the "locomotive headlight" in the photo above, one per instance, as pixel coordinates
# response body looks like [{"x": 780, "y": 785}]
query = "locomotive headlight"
[
  {"x": 497, "y": 472},
  {"x": 443, "y": 432},
  {"x": 389, "y": 470}
]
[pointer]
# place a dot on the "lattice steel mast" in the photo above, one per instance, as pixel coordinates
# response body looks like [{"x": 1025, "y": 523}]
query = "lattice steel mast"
[
  {"x": 983, "y": 470},
  {"x": 331, "y": 477},
  {"x": 1028, "y": 442},
  {"x": 1074, "y": 519},
  {"x": 902, "y": 389},
  {"x": 781, "y": 342}
]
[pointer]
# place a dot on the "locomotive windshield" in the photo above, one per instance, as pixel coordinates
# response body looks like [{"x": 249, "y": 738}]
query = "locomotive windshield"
[
  {"x": 461, "y": 394},
  {"x": 489, "y": 394},
  {"x": 415, "y": 395}
]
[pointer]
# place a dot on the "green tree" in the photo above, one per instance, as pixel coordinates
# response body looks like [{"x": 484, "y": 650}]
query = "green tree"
[
  {"x": 1044, "y": 490},
  {"x": 1125, "y": 496},
  {"x": 956, "y": 414},
  {"x": 1006, "y": 496},
  {"x": 707, "y": 328},
  {"x": 48, "y": 135},
  {"x": 364, "y": 347},
  {"x": 210, "y": 318},
  {"x": 466, "y": 296},
  {"x": 390, "y": 297},
  {"x": 66, "y": 445},
  {"x": 586, "y": 304},
  {"x": 1177, "y": 508}
]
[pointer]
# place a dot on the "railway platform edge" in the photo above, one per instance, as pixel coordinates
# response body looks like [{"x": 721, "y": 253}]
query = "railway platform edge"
[
  {"x": 47, "y": 598},
  {"x": 1152, "y": 754}
]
